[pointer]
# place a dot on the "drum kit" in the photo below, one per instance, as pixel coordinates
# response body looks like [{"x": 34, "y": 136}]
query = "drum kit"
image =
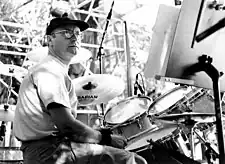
[
  {"x": 162, "y": 130},
  {"x": 167, "y": 123}
]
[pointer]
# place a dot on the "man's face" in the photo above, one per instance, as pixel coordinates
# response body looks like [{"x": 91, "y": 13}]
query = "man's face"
[{"x": 66, "y": 41}]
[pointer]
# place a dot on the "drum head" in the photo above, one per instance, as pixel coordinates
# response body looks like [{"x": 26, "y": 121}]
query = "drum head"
[
  {"x": 162, "y": 103},
  {"x": 141, "y": 142},
  {"x": 125, "y": 109}
]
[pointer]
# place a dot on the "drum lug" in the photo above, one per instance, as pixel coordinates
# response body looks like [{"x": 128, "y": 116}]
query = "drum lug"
[
  {"x": 120, "y": 131},
  {"x": 139, "y": 125}
]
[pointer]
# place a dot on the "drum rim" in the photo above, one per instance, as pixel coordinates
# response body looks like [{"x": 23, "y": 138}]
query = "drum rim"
[
  {"x": 163, "y": 96},
  {"x": 139, "y": 148},
  {"x": 148, "y": 145},
  {"x": 129, "y": 122},
  {"x": 124, "y": 100}
]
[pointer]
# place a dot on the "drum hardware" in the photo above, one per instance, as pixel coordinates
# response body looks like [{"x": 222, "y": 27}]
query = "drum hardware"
[
  {"x": 7, "y": 112},
  {"x": 207, "y": 144},
  {"x": 161, "y": 154},
  {"x": 6, "y": 85},
  {"x": 190, "y": 119},
  {"x": 138, "y": 123}
]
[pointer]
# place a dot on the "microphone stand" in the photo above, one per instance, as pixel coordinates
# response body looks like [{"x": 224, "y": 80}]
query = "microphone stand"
[{"x": 100, "y": 50}]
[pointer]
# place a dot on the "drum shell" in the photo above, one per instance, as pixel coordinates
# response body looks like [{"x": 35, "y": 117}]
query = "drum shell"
[
  {"x": 133, "y": 128},
  {"x": 151, "y": 147},
  {"x": 156, "y": 154},
  {"x": 129, "y": 116},
  {"x": 177, "y": 141}
]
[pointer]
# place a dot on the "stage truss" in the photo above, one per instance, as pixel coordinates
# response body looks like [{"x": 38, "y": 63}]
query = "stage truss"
[{"x": 30, "y": 20}]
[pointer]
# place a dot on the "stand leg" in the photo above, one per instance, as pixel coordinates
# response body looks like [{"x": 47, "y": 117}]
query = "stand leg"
[
  {"x": 192, "y": 144},
  {"x": 205, "y": 143},
  {"x": 219, "y": 125}
]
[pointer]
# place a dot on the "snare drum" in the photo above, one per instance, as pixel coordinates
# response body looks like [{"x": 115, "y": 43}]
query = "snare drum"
[
  {"x": 141, "y": 143},
  {"x": 176, "y": 140},
  {"x": 131, "y": 116},
  {"x": 169, "y": 136},
  {"x": 165, "y": 103}
]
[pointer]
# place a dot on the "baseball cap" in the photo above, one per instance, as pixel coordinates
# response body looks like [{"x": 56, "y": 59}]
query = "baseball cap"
[{"x": 65, "y": 20}]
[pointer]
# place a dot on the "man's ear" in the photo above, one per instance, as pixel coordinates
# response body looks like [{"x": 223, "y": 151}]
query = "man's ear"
[{"x": 49, "y": 39}]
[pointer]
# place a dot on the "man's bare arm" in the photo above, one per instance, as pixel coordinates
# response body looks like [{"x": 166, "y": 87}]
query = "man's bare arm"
[{"x": 66, "y": 123}]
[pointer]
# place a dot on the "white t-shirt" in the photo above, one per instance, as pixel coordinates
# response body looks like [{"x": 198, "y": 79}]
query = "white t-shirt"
[{"x": 45, "y": 83}]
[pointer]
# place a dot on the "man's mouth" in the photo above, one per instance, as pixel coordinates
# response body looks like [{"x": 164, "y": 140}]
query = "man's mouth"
[{"x": 73, "y": 46}]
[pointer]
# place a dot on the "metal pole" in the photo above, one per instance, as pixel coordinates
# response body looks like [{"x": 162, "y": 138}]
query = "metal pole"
[
  {"x": 128, "y": 60},
  {"x": 219, "y": 123}
]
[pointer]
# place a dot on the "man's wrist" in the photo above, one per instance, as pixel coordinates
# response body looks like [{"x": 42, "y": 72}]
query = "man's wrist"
[
  {"x": 105, "y": 137},
  {"x": 99, "y": 136}
]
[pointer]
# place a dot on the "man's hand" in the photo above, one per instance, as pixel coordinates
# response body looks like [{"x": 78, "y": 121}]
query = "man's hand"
[
  {"x": 118, "y": 141},
  {"x": 110, "y": 139}
]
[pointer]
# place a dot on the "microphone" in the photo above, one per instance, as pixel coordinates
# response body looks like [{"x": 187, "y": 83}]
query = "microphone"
[
  {"x": 135, "y": 88},
  {"x": 110, "y": 12},
  {"x": 99, "y": 54},
  {"x": 140, "y": 88},
  {"x": 136, "y": 85}
]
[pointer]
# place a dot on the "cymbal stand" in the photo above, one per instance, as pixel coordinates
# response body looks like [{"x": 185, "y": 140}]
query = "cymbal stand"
[
  {"x": 6, "y": 127},
  {"x": 190, "y": 124},
  {"x": 206, "y": 144},
  {"x": 7, "y": 86}
]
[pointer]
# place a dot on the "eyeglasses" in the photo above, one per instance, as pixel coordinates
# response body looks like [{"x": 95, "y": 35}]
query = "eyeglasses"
[{"x": 69, "y": 34}]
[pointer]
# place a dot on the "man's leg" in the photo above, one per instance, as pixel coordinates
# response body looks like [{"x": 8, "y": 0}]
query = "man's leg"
[{"x": 98, "y": 154}]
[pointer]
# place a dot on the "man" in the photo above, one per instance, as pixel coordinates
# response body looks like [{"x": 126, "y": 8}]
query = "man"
[{"x": 45, "y": 117}]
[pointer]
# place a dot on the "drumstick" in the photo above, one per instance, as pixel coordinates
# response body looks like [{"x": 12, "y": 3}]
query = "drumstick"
[{"x": 124, "y": 121}]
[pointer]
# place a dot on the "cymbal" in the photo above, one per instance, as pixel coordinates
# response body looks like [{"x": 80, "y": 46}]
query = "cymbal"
[
  {"x": 98, "y": 88},
  {"x": 37, "y": 54},
  {"x": 40, "y": 53},
  {"x": 12, "y": 70},
  {"x": 197, "y": 117},
  {"x": 82, "y": 56},
  {"x": 7, "y": 115}
]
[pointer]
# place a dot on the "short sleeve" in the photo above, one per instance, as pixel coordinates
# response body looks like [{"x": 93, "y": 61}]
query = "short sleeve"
[{"x": 51, "y": 87}]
